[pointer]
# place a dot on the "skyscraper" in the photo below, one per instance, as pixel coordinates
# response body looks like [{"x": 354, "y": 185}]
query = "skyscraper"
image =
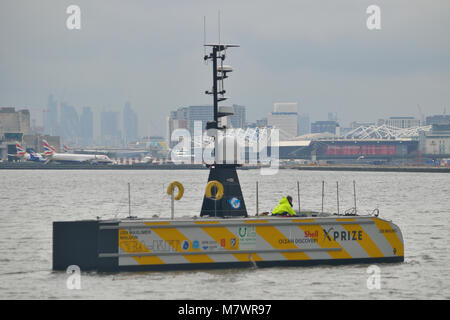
[
  {"x": 109, "y": 129},
  {"x": 70, "y": 123},
  {"x": 285, "y": 118},
  {"x": 86, "y": 126},
  {"x": 130, "y": 124},
  {"x": 238, "y": 119},
  {"x": 51, "y": 117},
  {"x": 304, "y": 125}
]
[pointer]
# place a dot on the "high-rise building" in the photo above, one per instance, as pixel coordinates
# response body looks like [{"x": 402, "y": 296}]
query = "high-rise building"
[
  {"x": 199, "y": 113},
  {"x": 51, "y": 117},
  {"x": 304, "y": 125},
  {"x": 285, "y": 118},
  {"x": 238, "y": 119},
  {"x": 130, "y": 124},
  {"x": 400, "y": 122},
  {"x": 325, "y": 126},
  {"x": 70, "y": 124},
  {"x": 438, "y": 119},
  {"x": 12, "y": 121},
  {"x": 109, "y": 129},
  {"x": 86, "y": 126},
  {"x": 185, "y": 117}
]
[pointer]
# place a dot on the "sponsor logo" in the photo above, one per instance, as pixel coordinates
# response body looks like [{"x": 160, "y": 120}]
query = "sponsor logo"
[
  {"x": 314, "y": 234},
  {"x": 233, "y": 242},
  {"x": 210, "y": 245},
  {"x": 185, "y": 245},
  {"x": 333, "y": 235},
  {"x": 195, "y": 245},
  {"x": 235, "y": 203},
  {"x": 222, "y": 242},
  {"x": 164, "y": 245}
]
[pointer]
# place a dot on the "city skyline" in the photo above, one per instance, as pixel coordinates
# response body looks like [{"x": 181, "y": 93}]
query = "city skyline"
[
  {"x": 76, "y": 125},
  {"x": 320, "y": 55}
]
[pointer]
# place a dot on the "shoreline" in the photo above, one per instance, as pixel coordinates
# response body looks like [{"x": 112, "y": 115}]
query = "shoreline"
[{"x": 372, "y": 168}]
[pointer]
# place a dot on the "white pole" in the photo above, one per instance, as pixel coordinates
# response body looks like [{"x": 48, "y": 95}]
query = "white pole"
[
  {"x": 129, "y": 201},
  {"x": 323, "y": 187},
  {"x": 257, "y": 200},
  {"x": 337, "y": 195}
]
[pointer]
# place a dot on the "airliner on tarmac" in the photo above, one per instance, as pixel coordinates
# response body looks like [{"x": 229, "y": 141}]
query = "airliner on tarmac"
[
  {"x": 51, "y": 155},
  {"x": 28, "y": 155}
]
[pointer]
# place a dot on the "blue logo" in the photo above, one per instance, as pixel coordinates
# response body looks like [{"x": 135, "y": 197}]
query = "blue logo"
[
  {"x": 233, "y": 242},
  {"x": 205, "y": 247},
  {"x": 195, "y": 245},
  {"x": 235, "y": 203},
  {"x": 185, "y": 244}
]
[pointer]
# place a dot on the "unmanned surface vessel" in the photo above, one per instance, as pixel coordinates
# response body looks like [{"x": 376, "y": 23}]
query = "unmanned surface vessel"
[{"x": 224, "y": 236}]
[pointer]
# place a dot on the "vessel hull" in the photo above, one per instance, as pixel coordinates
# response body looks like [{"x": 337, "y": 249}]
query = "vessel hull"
[{"x": 210, "y": 243}]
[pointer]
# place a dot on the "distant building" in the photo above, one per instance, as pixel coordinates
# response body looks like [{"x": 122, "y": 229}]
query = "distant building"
[
  {"x": 332, "y": 116},
  {"x": 86, "y": 126},
  {"x": 130, "y": 124},
  {"x": 238, "y": 119},
  {"x": 70, "y": 124},
  {"x": 304, "y": 125},
  {"x": 400, "y": 122},
  {"x": 436, "y": 141},
  {"x": 261, "y": 123},
  {"x": 12, "y": 121},
  {"x": 357, "y": 124},
  {"x": 109, "y": 129},
  {"x": 199, "y": 113},
  {"x": 438, "y": 119},
  {"x": 51, "y": 117},
  {"x": 186, "y": 117},
  {"x": 325, "y": 126},
  {"x": 285, "y": 118},
  {"x": 13, "y": 125}
]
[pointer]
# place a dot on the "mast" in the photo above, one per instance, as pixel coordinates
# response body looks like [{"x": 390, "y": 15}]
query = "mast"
[{"x": 232, "y": 202}]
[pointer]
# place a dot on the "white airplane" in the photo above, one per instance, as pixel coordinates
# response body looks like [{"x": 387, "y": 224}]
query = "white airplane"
[
  {"x": 51, "y": 155},
  {"x": 27, "y": 155}
]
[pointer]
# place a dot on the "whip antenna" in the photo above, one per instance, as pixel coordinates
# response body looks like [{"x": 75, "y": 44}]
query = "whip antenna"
[{"x": 219, "y": 25}]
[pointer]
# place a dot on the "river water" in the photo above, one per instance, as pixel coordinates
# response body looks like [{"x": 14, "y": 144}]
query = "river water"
[{"x": 30, "y": 200}]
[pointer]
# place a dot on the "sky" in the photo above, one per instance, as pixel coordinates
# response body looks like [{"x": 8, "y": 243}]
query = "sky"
[{"x": 317, "y": 53}]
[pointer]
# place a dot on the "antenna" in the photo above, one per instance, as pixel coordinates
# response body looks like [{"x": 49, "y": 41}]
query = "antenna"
[
  {"x": 204, "y": 37},
  {"x": 219, "y": 24}
]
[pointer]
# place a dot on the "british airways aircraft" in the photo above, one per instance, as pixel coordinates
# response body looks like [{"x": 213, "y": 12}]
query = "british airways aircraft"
[
  {"x": 28, "y": 155},
  {"x": 51, "y": 155}
]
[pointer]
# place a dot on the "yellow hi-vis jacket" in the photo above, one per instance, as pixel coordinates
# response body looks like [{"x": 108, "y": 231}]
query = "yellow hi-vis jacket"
[{"x": 284, "y": 207}]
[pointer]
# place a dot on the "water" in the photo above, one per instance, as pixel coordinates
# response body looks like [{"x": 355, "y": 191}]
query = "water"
[{"x": 31, "y": 200}]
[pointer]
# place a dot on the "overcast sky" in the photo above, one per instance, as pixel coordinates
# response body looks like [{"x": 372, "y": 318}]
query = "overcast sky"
[{"x": 317, "y": 53}]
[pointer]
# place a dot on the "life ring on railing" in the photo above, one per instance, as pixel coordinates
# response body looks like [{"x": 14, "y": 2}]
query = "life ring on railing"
[
  {"x": 219, "y": 188},
  {"x": 171, "y": 188}
]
